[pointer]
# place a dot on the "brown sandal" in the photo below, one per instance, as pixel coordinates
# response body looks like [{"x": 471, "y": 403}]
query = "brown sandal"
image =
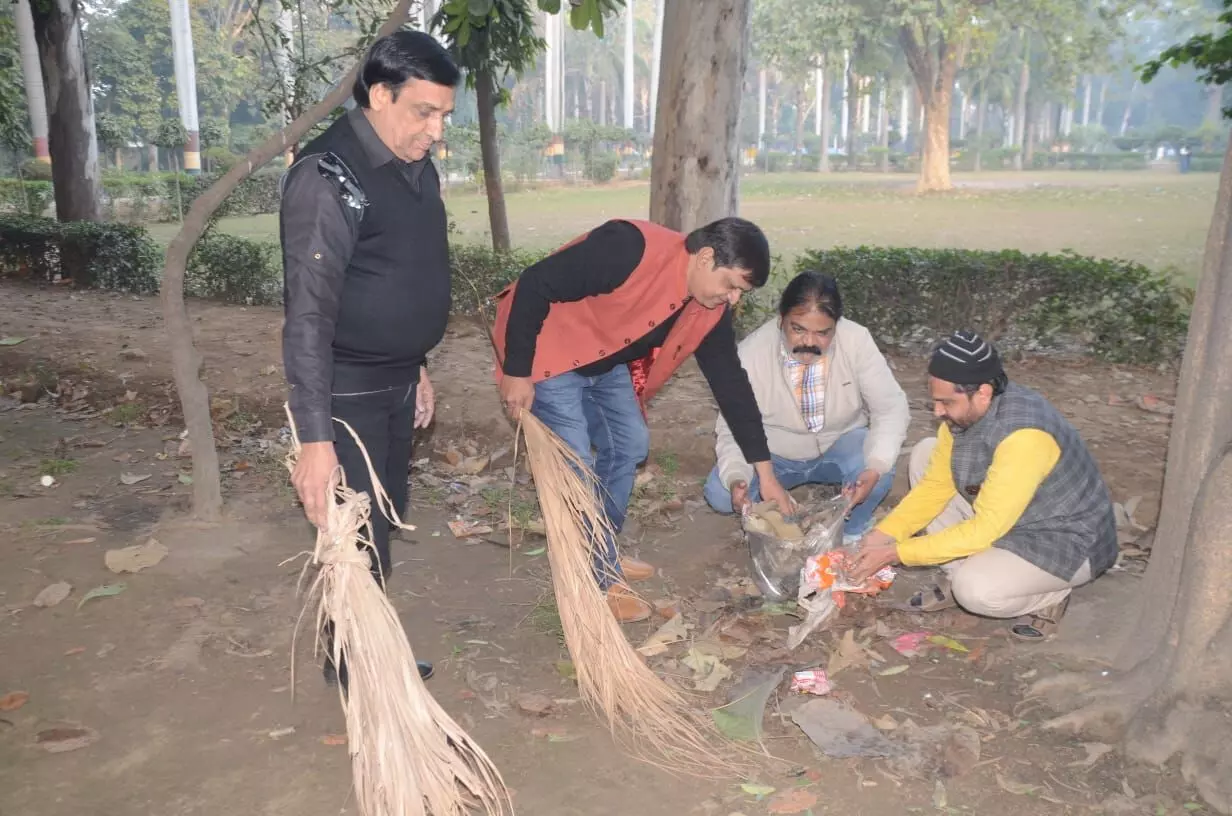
[
  {"x": 1041, "y": 623},
  {"x": 934, "y": 599}
]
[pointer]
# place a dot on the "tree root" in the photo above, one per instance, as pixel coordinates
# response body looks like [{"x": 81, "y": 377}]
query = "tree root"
[{"x": 1151, "y": 725}]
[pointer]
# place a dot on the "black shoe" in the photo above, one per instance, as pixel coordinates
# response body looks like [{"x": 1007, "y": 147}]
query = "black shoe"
[{"x": 333, "y": 676}]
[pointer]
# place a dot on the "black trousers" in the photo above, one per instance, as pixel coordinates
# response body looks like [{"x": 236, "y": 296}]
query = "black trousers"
[{"x": 384, "y": 421}]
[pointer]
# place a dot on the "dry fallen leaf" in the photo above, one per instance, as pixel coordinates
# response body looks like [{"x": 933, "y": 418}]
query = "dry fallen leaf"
[
  {"x": 671, "y": 632},
  {"x": 1018, "y": 788},
  {"x": 848, "y": 653},
  {"x": 798, "y": 800},
  {"x": 133, "y": 478},
  {"x": 334, "y": 739},
  {"x": 14, "y": 700},
  {"x": 53, "y": 594},
  {"x": 135, "y": 558},
  {"x": 1095, "y": 752},
  {"x": 67, "y": 738},
  {"x": 534, "y": 704}
]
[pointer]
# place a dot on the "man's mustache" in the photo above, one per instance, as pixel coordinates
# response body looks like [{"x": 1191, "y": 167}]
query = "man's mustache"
[{"x": 807, "y": 350}]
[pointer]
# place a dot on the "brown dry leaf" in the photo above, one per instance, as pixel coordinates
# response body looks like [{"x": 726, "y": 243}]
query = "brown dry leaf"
[
  {"x": 66, "y": 738},
  {"x": 135, "y": 558},
  {"x": 847, "y": 653},
  {"x": 334, "y": 739},
  {"x": 14, "y": 700},
  {"x": 1017, "y": 788},
  {"x": 53, "y": 594},
  {"x": 798, "y": 800},
  {"x": 133, "y": 478},
  {"x": 886, "y": 723},
  {"x": 89, "y": 540},
  {"x": 472, "y": 465},
  {"x": 534, "y": 704},
  {"x": 76, "y": 650},
  {"x": 1095, "y": 752},
  {"x": 671, "y": 632}
]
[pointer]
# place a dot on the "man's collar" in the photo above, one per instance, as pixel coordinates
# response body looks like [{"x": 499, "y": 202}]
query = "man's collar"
[{"x": 377, "y": 151}]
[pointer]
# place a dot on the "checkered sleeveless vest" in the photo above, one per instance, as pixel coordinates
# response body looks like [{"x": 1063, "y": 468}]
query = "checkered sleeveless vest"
[{"x": 1070, "y": 518}]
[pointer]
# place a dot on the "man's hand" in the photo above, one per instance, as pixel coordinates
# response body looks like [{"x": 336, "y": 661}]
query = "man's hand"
[
  {"x": 425, "y": 401},
  {"x": 740, "y": 496},
  {"x": 772, "y": 491},
  {"x": 517, "y": 395},
  {"x": 877, "y": 550},
  {"x": 858, "y": 491},
  {"x": 316, "y": 464}
]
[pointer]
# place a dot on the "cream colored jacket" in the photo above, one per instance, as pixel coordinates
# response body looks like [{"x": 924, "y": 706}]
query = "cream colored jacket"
[{"x": 860, "y": 392}]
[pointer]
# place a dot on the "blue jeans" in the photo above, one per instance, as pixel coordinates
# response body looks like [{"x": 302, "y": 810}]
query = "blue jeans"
[
  {"x": 841, "y": 464},
  {"x": 600, "y": 413}
]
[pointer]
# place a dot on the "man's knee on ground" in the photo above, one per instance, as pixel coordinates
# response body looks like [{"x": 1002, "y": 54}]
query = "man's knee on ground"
[
  {"x": 717, "y": 495},
  {"x": 979, "y": 596}
]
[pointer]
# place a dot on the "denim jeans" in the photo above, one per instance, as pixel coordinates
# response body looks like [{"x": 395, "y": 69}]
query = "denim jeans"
[
  {"x": 841, "y": 464},
  {"x": 599, "y": 413}
]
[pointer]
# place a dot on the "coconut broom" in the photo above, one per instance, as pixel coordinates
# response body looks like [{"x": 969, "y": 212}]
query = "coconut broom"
[
  {"x": 408, "y": 756},
  {"x": 659, "y": 723}
]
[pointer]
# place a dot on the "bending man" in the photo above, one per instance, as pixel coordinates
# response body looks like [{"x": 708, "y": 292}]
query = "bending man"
[
  {"x": 589, "y": 334},
  {"x": 833, "y": 412},
  {"x": 1016, "y": 510}
]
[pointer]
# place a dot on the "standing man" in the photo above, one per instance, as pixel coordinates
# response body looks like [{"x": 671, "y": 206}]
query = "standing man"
[
  {"x": 832, "y": 410},
  {"x": 1015, "y": 508},
  {"x": 366, "y": 262},
  {"x": 589, "y": 334}
]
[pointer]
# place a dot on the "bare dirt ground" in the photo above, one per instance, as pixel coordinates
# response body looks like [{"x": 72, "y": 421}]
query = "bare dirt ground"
[{"x": 182, "y": 679}]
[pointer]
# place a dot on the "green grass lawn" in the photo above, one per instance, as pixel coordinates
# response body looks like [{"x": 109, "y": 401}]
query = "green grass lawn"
[{"x": 1157, "y": 218}]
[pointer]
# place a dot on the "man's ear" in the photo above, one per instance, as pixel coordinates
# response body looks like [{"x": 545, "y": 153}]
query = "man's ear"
[
  {"x": 705, "y": 258},
  {"x": 380, "y": 96}
]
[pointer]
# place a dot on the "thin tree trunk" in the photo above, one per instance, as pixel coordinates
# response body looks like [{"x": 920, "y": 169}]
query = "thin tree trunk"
[
  {"x": 1086, "y": 100},
  {"x": 186, "y": 82},
  {"x": 694, "y": 178},
  {"x": 827, "y": 121},
  {"x": 628, "y": 65},
  {"x": 1103, "y": 98},
  {"x": 980, "y": 114},
  {"x": 32, "y": 75},
  {"x": 883, "y": 127},
  {"x": 185, "y": 361},
  {"x": 1020, "y": 109},
  {"x": 71, "y": 138},
  {"x": 485, "y": 99},
  {"x": 655, "y": 63},
  {"x": 853, "y": 116},
  {"x": 1214, "y": 105},
  {"x": 1129, "y": 108},
  {"x": 796, "y": 149}
]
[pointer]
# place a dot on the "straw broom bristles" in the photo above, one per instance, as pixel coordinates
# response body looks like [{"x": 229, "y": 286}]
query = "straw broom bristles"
[
  {"x": 664, "y": 728},
  {"x": 408, "y": 756}
]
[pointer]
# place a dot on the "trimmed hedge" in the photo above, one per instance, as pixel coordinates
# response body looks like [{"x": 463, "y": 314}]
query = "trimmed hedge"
[
  {"x": 1117, "y": 310},
  {"x": 104, "y": 256}
]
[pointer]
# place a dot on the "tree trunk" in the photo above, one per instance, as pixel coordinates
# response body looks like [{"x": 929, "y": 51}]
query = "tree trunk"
[
  {"x": 934, "y": 71},
  {"x": 1176, "y": 688},
  {"x": 827, "y": 121},
  {"x": 694, "y": 178},
  {"x": 655, "y": 62},
  {"x": 1214, "y": 105},
  {"x": 185, "y": 361},
  {"x": 883, "y": 128},
  {"x": 629, "y": 65},
  {"x": 186, "y": 82},
  {"x": 1103, "y": 99},
  {"x": 1020, "y": 110},
  {"x": 32, "y": 75},
  {"x": 853, "y": 116},
  {"x": 935, "y": 165},
  {"x": 761, "y": 109},
  {"x": 1129, "y": 108},
  {"x": 980, "y": 114},
  {"x": 800, "y": 114},
  {"x": 70, "y": 133},
  {"x": 485, "y": 100},
  {"x": 1086, "y": 100},
  {"x": 151, "y": 157}
]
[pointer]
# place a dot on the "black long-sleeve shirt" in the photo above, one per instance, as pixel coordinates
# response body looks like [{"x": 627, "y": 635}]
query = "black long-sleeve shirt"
[
  {"x": 597, "y": 265},
  {"x": 365, "y": 299}
]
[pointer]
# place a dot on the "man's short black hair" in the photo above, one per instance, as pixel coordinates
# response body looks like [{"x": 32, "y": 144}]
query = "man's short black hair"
[
  {"x": 401, "y": 56},
  {"x": 812, "y": 288},
  {"x": 737, "y": 243}
]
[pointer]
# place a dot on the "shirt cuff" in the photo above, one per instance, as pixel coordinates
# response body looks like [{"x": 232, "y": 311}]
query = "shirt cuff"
[{"x": 315, "y": 426}]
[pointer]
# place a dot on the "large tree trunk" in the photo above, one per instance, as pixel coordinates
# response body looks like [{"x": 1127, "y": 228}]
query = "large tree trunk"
[
  {"x": 1176, "y": 686},
  {"x": 185, "y": 361},
  {"x": 32, "y": 75},
  {"x": 498, "y": 218},
  {"x": 827, "y": 121},
  {"x": 693, "y": 176},
  {"x": 934, "y": 69},
  {"x": 70, "y": 134}
]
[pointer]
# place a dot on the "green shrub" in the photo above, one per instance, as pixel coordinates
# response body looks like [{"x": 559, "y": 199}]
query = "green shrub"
[
  {"x": 601, "y": 167},
  {"x": 236, "y": 270},
  {"x": 1119, "y": 160},
  {"x": 1205, "y": 165},
  {"x": 105, "y": 256},
  {"x": 1118, "y": 310},
  {"x": 480, "y": 272},
  {"x": 29, "y": 197},
  {"x": 256, "y": 195}
]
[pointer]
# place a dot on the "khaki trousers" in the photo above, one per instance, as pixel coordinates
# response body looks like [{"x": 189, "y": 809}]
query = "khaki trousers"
[{"x": 995, "y": 583}]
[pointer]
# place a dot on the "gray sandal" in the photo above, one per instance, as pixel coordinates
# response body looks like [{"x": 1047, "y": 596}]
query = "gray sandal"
[
  {"x": 933, "y": 599},
  {"x": 1041, "y": 623}
]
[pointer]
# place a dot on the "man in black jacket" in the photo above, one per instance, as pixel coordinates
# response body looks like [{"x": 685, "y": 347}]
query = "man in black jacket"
[{"x": 366, "y": 261}]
